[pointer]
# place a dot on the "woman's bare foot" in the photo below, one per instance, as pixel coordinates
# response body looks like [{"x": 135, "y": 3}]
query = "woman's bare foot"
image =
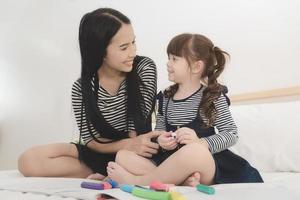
[
  {"x": 192, "y": 180},
  {"x": 119, "y": 174},
  {"x": 96, "y": 176}
]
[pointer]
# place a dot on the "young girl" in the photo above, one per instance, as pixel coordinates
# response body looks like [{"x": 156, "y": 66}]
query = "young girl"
[
  {"x": 189, "y": 112},
  {"x": 112, "y": 101}
]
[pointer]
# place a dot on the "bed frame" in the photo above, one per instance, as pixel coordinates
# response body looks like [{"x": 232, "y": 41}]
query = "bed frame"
[{"x": 267, "y": 96}]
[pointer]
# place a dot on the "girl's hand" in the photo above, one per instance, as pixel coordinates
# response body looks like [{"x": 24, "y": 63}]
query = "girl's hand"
[
  {"x": 166, "y": 141},
  {"x": 186, "y": 136}
]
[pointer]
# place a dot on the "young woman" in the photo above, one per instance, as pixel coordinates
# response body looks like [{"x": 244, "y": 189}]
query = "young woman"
[{"x": 112, "y": 101}]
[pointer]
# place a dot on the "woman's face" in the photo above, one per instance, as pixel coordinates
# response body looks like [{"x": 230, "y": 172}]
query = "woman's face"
[{"x": 121, "y": 50}]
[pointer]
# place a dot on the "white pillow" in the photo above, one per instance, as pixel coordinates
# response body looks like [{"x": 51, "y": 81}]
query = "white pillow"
[{"x": 269, "y": 135}]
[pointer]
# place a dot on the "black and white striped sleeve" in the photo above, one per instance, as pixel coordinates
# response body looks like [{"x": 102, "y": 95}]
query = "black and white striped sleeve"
[
  {"x": 81, "y": 122},
  {"x": 147, "y": 72},
  {"x": 227, "y": 134}
]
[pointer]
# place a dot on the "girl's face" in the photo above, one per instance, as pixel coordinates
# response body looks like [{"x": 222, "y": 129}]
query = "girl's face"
[
  {"x": 121, "y": 50},
  {"x": 178, "y": 69}
]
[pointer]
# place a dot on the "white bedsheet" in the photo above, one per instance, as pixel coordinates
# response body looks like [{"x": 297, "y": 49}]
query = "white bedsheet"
[{"x": 277, "y": 186}]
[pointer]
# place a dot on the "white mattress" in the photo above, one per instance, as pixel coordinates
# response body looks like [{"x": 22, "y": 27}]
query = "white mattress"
[{"x": 14, "y": 186}]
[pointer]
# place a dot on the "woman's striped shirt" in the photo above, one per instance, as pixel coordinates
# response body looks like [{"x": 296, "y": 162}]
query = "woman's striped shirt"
[{"x": 113, "y": 108}]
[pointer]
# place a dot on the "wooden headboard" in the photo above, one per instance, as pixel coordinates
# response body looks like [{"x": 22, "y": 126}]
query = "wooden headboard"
[{"x": 267, "y": 96}]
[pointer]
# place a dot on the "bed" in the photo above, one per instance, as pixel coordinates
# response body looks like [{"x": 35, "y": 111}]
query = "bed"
[{"x": 268, "y": 138}]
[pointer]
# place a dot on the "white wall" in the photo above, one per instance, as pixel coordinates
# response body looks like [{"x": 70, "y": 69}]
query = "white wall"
[{"x": 39, "y": 55}]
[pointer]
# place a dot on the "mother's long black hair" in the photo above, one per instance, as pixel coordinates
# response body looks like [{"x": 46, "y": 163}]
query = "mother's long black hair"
[{"x": 95, "y": 33}]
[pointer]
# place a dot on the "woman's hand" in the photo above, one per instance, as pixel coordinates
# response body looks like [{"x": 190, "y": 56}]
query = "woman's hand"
[
  {"x": 142, "y": 144},
  {"x": 186, "y": 136},
  {"x": 166, "y": 141}
]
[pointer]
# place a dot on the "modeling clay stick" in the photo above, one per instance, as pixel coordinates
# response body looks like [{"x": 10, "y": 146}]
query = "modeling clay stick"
[
  {"x": 206, "y": 189},
  {"x": 91, "y": 185},
  {"x": 127, "y": 188},
  {"x": 148, "y": 194},
  {"x": 156, "y": 185},
  {"x": 174, "y": 135},
  {"x": 106, "y": 185},
  {"x": 113, "y": 183},
  {"x": 177, "y": 196}
]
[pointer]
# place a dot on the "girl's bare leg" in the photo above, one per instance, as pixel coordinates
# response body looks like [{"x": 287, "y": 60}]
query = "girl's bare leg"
[
  {"x": 53, "y": 160},
  {"x": 134, "y": 163},
  {"x": 143, "y": 166},
  {"x": 130, "y": 161},
  {"x": 187, "y": 160}
]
